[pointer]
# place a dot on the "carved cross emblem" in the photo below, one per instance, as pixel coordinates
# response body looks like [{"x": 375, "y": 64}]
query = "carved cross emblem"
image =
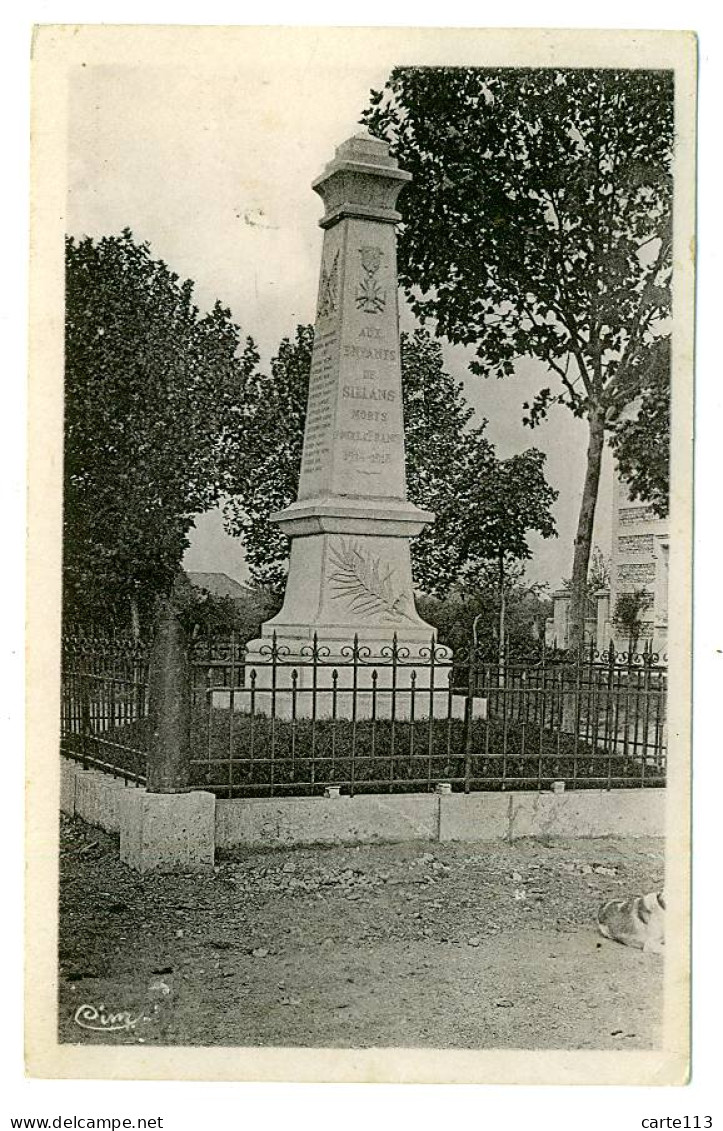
[{"x": 371, "y": 297}]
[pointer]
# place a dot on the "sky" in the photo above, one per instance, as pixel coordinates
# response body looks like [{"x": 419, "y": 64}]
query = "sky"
[{"x": 212, "y": 165}]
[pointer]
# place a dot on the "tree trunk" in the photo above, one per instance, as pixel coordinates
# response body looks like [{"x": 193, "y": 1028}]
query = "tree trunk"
[
  {"x": 585, "y": 522},
  {"x": 135, "y": 619}
]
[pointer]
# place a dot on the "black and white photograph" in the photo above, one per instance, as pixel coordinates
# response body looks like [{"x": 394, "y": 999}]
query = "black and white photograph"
[{"x": 364, "y": 362}]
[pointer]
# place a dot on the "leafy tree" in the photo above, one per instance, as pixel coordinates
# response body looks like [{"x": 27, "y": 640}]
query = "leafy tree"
[
  {"x": 153, "y": 419},
  {"x": 267, "y": 478},
  {"x": 484, "y": 506},
  {"x": 495, "y": 504},
  {"x": 207, "y": 614},
  {"x": 467, "y": 613},
  {"x": 641, "y": 442},
  {"x": 538, "y": 224},
  {"x": 628, "y": 614},
  {"x": 598, "y": 577},
  {"x": 436, "y": 432}
]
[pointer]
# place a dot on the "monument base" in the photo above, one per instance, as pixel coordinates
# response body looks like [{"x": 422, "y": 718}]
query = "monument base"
[{"x": 325, "y": 679}]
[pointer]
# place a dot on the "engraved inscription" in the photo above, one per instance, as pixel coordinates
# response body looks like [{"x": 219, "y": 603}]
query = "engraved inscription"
[
  {"x": 362, "y": 393},
  {"x": 369, "y": 437},
  {"x": 320, "y": 411},
  {"x": 353, "y": 455},
  {"x": 366, "y": 353},
  {"x": 371, "y": 415},
  {"x": 636, "y": 544},
  {"x": 636, "y": 571},
  {"x": 630, "y": 515}
]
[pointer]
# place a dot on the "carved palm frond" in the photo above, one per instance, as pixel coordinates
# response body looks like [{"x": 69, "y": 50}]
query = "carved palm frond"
[
  {"x": 367, "y": 586},
  {"x": 328, "y": 289}
]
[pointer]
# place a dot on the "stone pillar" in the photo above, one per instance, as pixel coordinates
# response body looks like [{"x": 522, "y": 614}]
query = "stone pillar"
[
  {"x": 661, "y": 552},
  {"x": 561, "y": 617},
  {"x": 602, "y": 635},
  {"x": 349, "y": 570}
]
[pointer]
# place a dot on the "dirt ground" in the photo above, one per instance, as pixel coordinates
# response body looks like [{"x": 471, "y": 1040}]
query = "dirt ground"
[{"x": 455, "y": 945}]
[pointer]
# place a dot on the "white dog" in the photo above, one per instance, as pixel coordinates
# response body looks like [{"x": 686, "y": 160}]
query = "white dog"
[{"x": 638, "y": 921}]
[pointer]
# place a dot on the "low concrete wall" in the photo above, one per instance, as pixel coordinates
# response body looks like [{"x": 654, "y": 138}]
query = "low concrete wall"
[
  {"x": 574, "y": 813},
  {"x": 92, "y": 795},
  {"x": 588, "y": 813},
  {"x": 474, "y": 816},
  {"x": 68, "y": 773},
  {"x": 98, "y": 799},
  {"x": 269, "y": 822},
  {"x": 366, "y": 819}
]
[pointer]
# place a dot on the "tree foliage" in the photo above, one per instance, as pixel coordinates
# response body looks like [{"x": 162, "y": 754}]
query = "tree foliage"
[
  {"x": 641, "y": 441},
  {"x": 266, "y": 479},
  {"x": 154, "y": 417},
  {"x": 207, "y": 614},
  {"x": 538, "y": 224},
  {"x": 497, "y": 504},
  {"x": 598, "y": 577},
  {"x": 628, "y": 611},
  {"x": 465, "y": 613},
  {"x": 484, "y": 506}
]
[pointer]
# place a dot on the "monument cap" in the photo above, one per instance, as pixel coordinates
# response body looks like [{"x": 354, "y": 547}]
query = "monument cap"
[
  {"x": 364, "y": 147},
  {"x": 363, "y": 180}
]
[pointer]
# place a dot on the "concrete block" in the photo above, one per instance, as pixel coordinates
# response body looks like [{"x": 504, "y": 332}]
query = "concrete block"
[
  {"x": 589, "y": 813},
  {"x": 458, "y": 707},
  {"x": 265, "y": 822},
  {"x": 474, "y": 816},
  {"x": 68, "y": 773},
  {"x": 167, "y": 831}
]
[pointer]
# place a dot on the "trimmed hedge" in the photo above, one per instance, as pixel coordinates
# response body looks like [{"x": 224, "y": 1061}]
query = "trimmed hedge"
[{"x": 406, "y": 757}]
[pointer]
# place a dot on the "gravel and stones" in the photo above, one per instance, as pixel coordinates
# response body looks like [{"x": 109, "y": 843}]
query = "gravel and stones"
[{"x": 456, "y": 945}]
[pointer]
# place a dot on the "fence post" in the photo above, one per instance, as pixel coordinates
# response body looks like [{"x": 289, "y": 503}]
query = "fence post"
[
  {"x": 169, "y": 703},
  {"x": 570, "y": 698},
  {"x": 86, "y": 729},
  {"x": 471, "y": 673}
]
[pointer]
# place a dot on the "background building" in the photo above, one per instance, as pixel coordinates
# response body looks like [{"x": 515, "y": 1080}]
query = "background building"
[{"x": 638, "y": 572}]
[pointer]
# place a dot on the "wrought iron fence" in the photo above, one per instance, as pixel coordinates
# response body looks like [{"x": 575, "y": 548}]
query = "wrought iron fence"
[
  {"x": 284, "y": 724},
  {"x": 104, "y": 703},
  {"x": 297, "y": 724}
]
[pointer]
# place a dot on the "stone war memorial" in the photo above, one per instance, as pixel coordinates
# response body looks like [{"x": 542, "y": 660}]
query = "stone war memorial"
[{"x": 349, "y": 572}]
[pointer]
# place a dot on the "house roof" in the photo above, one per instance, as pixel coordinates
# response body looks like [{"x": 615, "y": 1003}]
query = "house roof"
[{"x": 220, "y": 584}]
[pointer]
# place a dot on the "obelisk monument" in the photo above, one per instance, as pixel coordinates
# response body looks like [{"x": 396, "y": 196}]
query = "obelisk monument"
[{"x": 349, "y": 570}]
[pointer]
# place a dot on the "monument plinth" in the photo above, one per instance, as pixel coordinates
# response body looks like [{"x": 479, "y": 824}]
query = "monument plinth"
[{"x": 349, "y": 569}]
